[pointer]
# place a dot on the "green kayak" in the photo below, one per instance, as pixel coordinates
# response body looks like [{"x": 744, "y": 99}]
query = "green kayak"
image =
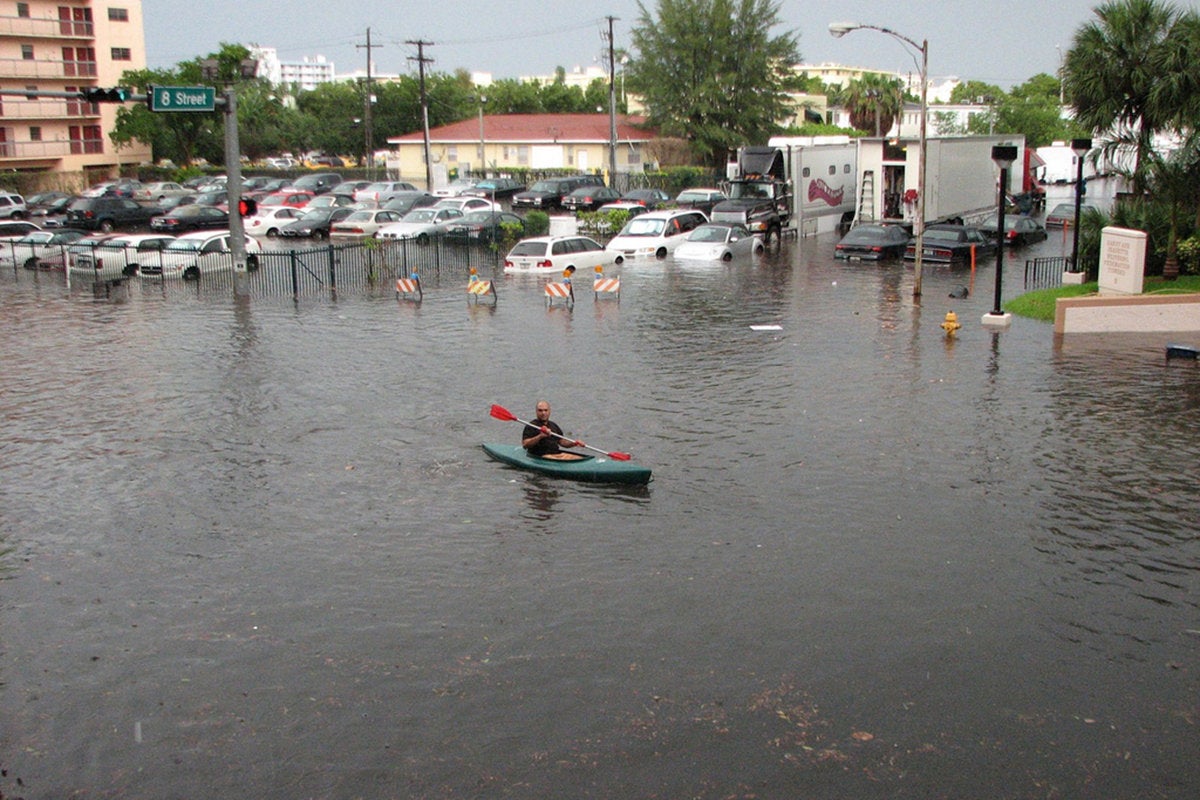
[{"x": 595, "y": 469}]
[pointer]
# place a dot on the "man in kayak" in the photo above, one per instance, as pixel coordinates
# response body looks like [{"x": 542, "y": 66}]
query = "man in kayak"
[{"x": 543, "y": 440}]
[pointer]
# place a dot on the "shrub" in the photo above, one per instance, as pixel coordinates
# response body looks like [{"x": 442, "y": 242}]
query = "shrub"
[{"x": 537, "y": 223}]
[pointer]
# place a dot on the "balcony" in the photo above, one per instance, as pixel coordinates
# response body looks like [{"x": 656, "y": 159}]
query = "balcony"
[
  {"x": 29, "y": 28},
  {"x": 14, "y": 109},
  {"x": 46, "y": 69}
]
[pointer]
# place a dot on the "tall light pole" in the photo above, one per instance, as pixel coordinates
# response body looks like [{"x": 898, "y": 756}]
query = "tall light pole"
[
  {"x": 1080, "y": 148},
  {"x": 1003, "y": 155},
  {"x": 248, "y": 68},
  {"x": 840, "y": 29}
]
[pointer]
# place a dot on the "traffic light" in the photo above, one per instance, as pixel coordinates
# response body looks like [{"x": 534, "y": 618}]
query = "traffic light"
[
  {"x": 247, "y": 207},
  {"x": 97, "y": 94}
]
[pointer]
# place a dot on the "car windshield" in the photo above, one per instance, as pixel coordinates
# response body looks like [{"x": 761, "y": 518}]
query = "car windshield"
[
  {"x": 641, "y": 226},
  {"x": 709, "y": 233},
  {"x": 529, "y": 249},
  {"x": 865, "y": 234},
  {"x": 185, "y": 246},
  {"x": 360, "y": 216},
  {"x": 544, "y": 186},
  {"x": 942, "y": 235},
  {"x": 420, "y": 215},
  {"x": 692, "y": 197}
]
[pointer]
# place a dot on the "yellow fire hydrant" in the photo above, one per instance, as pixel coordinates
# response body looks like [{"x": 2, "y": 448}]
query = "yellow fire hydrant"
[{"x": 951, "y": 324}]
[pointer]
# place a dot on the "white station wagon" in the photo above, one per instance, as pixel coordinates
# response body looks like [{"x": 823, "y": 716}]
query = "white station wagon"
[
  {"x": 556, "y": 253},
  {"x": 196, "y": 254}
]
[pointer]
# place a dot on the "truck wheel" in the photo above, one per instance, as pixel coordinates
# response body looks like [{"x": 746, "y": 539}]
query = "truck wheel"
[
  {"x": 774, "y": 229},
  {"x": 191, "y": 273},
  {"x": 106, "y": 225}
]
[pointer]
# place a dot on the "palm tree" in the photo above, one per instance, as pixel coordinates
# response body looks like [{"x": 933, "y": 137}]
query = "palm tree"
[
  {"x": 873, "y": 102},
  {"x": 1172, "y": 180},
  {"x": 1131, "y": 73}
]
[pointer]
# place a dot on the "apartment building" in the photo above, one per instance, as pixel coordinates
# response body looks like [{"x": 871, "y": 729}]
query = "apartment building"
[{"x": 50, "y": 46}]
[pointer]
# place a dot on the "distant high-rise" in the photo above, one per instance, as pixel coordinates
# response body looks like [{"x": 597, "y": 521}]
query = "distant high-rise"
[{"x": 307, "y": 73}]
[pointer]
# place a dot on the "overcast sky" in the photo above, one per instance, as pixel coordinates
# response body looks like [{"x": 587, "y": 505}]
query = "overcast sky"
[{"x": 1003, "y": 43}]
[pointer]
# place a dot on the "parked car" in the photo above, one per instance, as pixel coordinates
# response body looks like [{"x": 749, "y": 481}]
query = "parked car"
[
  {"x": 287, "y": 197},
  {"x": 44, "y": 199},
  {"x": 381, "y": 189},
  {"x": 555, "y": 253},
  {"x": 1018, "y": 230},
  {"x": 363, "y": 224},
  {"x": 50, "y": 208},
  {"x": 407, "y": 201},
  {"x": 651, "y": 199},
  {"x": 700, "y": 199},
  {"x": 172, "y": 203},
  {"x": 589, "y": 198},
  {"x": 1063, "y": 214},
  {"x": 495, "y": 188},
  {"x": 198, "y": 253},
  {"x": 63, "y": 256},
  {"x": 872, "y": 243},
  {"x": 30, "y": 249},
  {"x": 256, "y": 183},
  {"x": 719, "y": 241},
  {"x": 315, "y": 223},
  {"x": 455, "y": 188},
  {"x": 121, "y": 187},
  {"x": 547, "y": 194},
  {"x": 483, "y": 227},
  {"x": 12, "y": 206},
  {"x": 108, "y": 213},
  {"x": 262, "y": 188},
  {"x": 466, "y": 204},
  {"x": 119, "y": 256},
  {"x": 944, "y": 244},
  {"x": 157, "y": 192},
  {"x": 420, "y": 224},
  {"x": 212, "y": 197},
  {"x": 655, "y": 234},
  {"x": 270, "y": 219},
  {"x": 15, "y": 229},
  {"x": 625, "y": 212},
  {"x": 331, "y": 200},
  {"x": 349, "y": 188},
  {"x": 190, "y": 218},
  {"x": 317, "y": 183}
]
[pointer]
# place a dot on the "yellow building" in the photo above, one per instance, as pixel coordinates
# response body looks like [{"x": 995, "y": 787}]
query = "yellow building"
[
  {"x": 50, "y": 46},
  {"x": 496, "y": 142}
]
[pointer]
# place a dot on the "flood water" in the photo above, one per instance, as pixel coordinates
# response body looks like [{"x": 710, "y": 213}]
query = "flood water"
[{"x": 257, "y": 551}]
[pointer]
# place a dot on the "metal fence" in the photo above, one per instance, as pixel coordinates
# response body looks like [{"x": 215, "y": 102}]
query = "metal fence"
[{"x": 1042, "y": 273}]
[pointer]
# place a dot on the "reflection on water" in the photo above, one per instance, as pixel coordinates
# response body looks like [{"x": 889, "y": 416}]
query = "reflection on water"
[{"x": 262, "y": 551}]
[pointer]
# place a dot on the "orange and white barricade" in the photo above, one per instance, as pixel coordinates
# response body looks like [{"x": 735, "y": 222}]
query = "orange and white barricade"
[
  {"x": 409, "y": 288},
  {"x": 477, "y": 287},
  {"x": 603, "y": 286},
  {"x": 563, "y": 290}
]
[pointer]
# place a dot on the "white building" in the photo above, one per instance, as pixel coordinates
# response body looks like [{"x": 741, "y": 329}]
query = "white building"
[{"x": 307, "y": 73}]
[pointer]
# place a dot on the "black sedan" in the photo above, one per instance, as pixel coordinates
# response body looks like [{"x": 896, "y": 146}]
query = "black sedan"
[
  {"x": 1018, "y": 230},
  {"x": 589, "y": 198},
  {"x": 190, "y": 218},
  {"x": 946, "y": 244},
  {"x": 315, "y": 223},
  {"x": 483, "y": 226},
  {"x": 652, "y": 199},
  {"x": 494, "y": 188},
  {"x": 872, "y": 243}
]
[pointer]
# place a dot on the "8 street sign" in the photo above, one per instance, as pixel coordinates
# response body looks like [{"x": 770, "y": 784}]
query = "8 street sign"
[{"x": 182, "y": 98}]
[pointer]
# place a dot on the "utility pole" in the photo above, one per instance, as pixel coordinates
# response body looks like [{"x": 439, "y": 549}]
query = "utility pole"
[
  {"x": 421, "y": 62},
  {"x": 369, "y": 134},
  {"x": 612, "y": 106}
]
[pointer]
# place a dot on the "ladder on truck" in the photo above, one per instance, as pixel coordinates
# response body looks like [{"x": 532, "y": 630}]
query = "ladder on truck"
[{"x": 866, "y": 198}]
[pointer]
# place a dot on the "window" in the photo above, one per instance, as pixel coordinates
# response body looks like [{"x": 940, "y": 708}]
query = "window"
[
  {"x": 832, "y": 169},
  {"x": 27, "y": 52},
  {"x": 807, "y": 172},
  {"x": 118, "y": 15},
  {"x": 523, "y": 155},
  {"x": 122, "y": 54},
  {"x": 23, "y": 10},
  {"x": 35, "y": 133},
  {"x": 452, "y": 153}
]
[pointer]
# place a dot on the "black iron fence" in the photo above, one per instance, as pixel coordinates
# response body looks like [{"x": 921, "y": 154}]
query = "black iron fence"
[{"x": 1042, "y": 273}]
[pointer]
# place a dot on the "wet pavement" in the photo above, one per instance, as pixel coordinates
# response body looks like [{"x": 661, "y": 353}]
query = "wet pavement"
[{"x": 256, "y": 549}]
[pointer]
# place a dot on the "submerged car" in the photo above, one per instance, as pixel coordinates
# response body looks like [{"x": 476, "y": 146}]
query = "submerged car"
[
  {"x": 556, "y": 253},
  {"x": 363, "y": 224},
  {"x": 420, "y": 224},
  {"x": 719, "y": 241},
  {"x": 315, "y": 223},
  {"x": 196, "y": 254},
  {"x": 484, "y": 226},
  {"x": 1018, "y": 230},
  {"x": 30, "y": 250},
  {"x": 190, "y": 218},
  {"x": 945, "y": 244},
  {"x": 1063, "y": 214},
  {"x": 873, "y": 243},
  {"x": 119, "y": 256},
  {"x": 655, "y": 234}
]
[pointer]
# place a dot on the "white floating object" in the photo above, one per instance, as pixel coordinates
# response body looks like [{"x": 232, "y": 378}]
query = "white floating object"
[{"x": 766, "y": 327}]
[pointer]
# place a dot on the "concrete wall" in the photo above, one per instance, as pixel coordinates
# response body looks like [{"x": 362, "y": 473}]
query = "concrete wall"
[{"x": 1170, "y": 313}]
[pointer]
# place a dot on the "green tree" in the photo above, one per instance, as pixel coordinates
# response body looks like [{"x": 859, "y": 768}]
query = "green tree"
[
  {"x": 873, "y": 102},
  {"x": 711, "y": 72},
  {"x": 1132, "y": 73},
  {"x": 974, "y": 92}
]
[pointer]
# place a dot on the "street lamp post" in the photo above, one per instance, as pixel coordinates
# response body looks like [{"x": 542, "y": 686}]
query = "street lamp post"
[
  {"x": 840, "y": 29},
  {"x": 1080, "y": 148},
  {"x": 1004, "y": 155},
  {"x": 233, "y": 162}
]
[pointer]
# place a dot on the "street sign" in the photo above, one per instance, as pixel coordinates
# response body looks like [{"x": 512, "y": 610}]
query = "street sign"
[{"x": 182, "y": 98}]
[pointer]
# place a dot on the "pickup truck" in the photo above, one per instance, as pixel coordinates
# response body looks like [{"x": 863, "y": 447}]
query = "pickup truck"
[{"x": 108, "y": 213}]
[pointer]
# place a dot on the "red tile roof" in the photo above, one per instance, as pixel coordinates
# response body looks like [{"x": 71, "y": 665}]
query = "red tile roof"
[{"x": 534, "y": 128}]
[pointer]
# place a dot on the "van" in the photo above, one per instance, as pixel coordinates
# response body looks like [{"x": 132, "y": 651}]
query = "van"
[
  {"x": 655, "y": 234},
  {"x": 548, "y": 193}
]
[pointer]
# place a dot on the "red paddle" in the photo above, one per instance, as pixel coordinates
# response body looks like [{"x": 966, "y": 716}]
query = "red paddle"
[{"x": 500, "y": 412}]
